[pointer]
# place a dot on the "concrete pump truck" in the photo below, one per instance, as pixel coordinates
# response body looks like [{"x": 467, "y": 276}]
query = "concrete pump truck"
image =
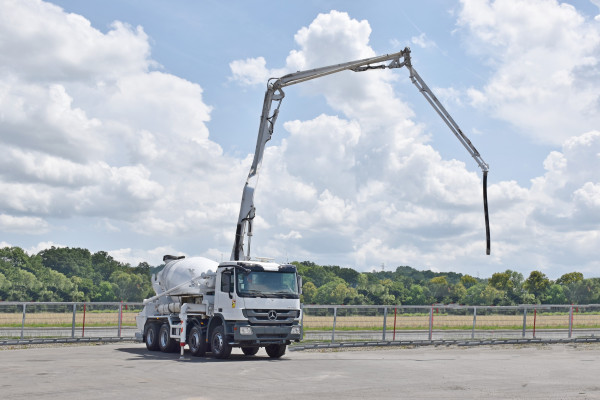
[{"x": 246, "y": 303}]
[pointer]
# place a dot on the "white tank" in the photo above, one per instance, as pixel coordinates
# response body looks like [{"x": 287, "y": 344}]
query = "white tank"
[{"x": 178, "y": 271}]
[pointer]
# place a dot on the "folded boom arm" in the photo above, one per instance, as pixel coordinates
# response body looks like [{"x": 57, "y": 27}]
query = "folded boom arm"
[{"x": 274, "y": 95}]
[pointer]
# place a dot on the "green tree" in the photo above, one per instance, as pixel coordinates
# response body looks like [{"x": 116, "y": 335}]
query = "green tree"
[
  {"x": 309, "y": 290},
  {"x": 314, "y": 273},
  {"x": 439, "y": 288},
  {"x": 106, "y": 291},
  {"x": 334, "y": 292},
  {"x": 70, "y": 261},
  {"x": 473, "y": 296},
  {"x": 468, "y": 281},
  {"x": 458, "y": 293},
  {"x": 418, "y": 295},
  {"x": 501, "y": 281},
  {"x": 511, "y": 283},
  {"x": 537, "y": 284},
  {"x": 594, "y": 288},
  {"x": 130, "y": 287},
  {"x": 83, "y": 288},
  {"x": 556, "y": 295},
  {"x": 397, "y": 288},
  {"x": 24, "y": 286},
  {"x": 4, "y": 287},
  {"x": 104, "y": 265},
  {"x": 492, "y": 296},
  {"x": 570, "y": 278},
  {"x": 577, "y": 291}
]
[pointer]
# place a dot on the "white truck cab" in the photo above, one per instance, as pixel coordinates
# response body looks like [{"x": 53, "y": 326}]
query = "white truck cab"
[{"x": 247, "y": 304}]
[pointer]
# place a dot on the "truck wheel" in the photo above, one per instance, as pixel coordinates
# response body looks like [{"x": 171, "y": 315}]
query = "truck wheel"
[
  {"x": 152, "y": 337},
  {"x": 275, "y": 350},
  {"x": 250, "y": 351},
  {"x": 197, "y": 342},
  {"x": 165, "y": 343},
  {"x": 219, "y": 344}
]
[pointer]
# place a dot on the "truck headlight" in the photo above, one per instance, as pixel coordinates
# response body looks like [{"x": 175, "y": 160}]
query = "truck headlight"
[
  {"x": 245, "y": 330},
  {"x": 295, "y": 330}
]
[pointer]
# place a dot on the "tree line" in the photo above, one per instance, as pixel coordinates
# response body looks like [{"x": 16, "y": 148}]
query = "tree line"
[
  {"x": 408, "y": 286},
  {"x": 70, "y": 274},
  {"x": 76, "y": 274}
]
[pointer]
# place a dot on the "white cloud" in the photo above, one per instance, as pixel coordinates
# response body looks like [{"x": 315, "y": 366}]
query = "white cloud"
[
  {"x": 422, "y": 41},
  {"x": 341, "y": 182},
  {"x": 251, "y": 71},
  {"x": 597, "y": 4},
  {"x": 546, "y": 62},
  {"x": 28, "y": 225},
  {"x": 90, "y": 132},
  {"x": 42, "y": 246},
  {"x": 372, "y": 190},
  {"x": 64, "y": 47}
]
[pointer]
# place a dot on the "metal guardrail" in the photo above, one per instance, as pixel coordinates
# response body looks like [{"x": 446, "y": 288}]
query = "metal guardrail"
[
  {"x": 347, "y": 323},
  {"x": 24, "y": 322},
  {"x": 324, "y": 325}
]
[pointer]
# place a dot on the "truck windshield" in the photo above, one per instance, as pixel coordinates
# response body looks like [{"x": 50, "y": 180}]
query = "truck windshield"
[{"x": 267, "y": 284}]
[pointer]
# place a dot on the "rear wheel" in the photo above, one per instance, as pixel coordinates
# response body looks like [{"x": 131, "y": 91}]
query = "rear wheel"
[
  {"x": 197, "y": 341},
  {"x": 165, "y": 343},
  {"x": 275, "y": 350},
  {"x": 250, "y": 351},
  {"x": 152, "y": 337},
  {"x": 219, "y": 344}
]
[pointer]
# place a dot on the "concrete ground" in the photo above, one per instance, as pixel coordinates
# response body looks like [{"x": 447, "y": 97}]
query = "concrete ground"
[{"x": 128, "y": 370}]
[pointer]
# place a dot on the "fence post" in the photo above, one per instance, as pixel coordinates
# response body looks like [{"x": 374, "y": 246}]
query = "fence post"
[
  {"x": 73, "y": 324},
  {"x": 120, "y": 317},
  {"x": 83, "y": 327},
  {"x": 570, "y": 322},
  {"x": 534, "y": 318},
  {"x": 395, "y": 309},
  {"x": 334, "y": 320},
  {"x": 384, "y": 322},
  {"x": 474, "y": 322},
  {"x": 23, "y": 321},
  {"x": 301, "y": 321},
  {"x": 524, "y": 321},
  {"x": 430, "y": 323}
]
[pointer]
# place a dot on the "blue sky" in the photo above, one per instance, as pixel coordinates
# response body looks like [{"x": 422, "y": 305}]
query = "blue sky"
[{"x": 135, "y": 137}]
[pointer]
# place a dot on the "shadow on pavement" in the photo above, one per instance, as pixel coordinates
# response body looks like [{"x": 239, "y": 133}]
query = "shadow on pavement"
[{"x": 141, "y": 353}]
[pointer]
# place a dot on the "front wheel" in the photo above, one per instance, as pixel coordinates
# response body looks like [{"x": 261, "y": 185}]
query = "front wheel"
[
  {"x": 197, "y": 342},
  {"x": 219, "y": 344},
  {"x": 275, "y": 350},
  {"x": 249, "y": 351}
]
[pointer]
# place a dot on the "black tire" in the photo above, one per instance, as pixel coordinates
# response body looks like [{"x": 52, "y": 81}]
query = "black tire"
[
  {"x": 250, "y": 351},
  {"x": 219, "y": 344},
  {"x": 197, "y": 341},
  {"x": 151, "y": 337},
  {"x": 275, "y": 350},
  {"x": 165, "y": 343}
]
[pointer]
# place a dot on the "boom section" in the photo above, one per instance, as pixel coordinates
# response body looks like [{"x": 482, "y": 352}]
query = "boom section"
[{"x": 273, "y": 97}]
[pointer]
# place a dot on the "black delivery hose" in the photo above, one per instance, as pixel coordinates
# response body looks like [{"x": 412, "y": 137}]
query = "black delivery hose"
[{"x": 485, "y": 210}]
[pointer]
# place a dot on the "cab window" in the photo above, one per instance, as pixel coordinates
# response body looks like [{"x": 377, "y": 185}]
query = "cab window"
[{"x": 226, "y": 282}]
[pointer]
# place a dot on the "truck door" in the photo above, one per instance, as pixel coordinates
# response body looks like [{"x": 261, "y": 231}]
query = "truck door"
[{"x": 225, "y": 295}]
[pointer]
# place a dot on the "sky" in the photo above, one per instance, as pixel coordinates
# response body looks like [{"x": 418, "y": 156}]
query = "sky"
[{"x": 129, "y": 126}]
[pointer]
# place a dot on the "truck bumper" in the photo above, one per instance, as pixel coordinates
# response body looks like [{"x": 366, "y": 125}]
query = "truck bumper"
[{"x": 248, "y": 335}]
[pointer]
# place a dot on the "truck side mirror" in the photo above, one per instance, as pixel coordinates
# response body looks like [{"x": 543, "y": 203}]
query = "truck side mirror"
[{"x": 299, "y": 284}]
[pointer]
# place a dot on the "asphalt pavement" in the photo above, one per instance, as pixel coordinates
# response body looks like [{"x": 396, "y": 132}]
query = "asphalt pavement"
[{"x": 128, "y": 370}]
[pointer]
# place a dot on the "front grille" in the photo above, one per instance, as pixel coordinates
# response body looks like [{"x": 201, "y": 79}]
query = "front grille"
[
  {"x": 262, "y": 317},
  {"x": 272, "y": 336}
]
